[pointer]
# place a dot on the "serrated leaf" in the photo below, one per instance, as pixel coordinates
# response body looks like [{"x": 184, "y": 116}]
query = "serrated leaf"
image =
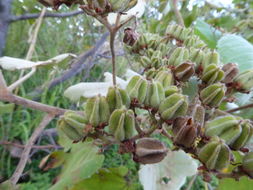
[
  {"x": 106, "y": 179},
  {"x": 228, "y": 183},
  {"x": 11, "y": 63},
  {"x": 81, "y": 162},
  {"x": 207, "y": 33},
  {"x": 175, "y": 168},
  {"x": 235, "y": 49}
]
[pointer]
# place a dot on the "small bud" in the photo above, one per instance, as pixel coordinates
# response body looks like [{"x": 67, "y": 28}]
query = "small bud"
[
  {"x": 185, "y": 131},
  {"x": 122, "y": 124},
  {"x": 149, "y": 151},
  {"x": 247, "y": 164},
  {"x": 245, "y": 81},
  {"x": 173, "y": 106},
  {"x": 137, "y": 88},
  {"x": 117, "y": 98},
  {"x": 213, "y": 94},
  {"x": 97, "y": 111},
  {"x": 215, "y": 155},
  {"x": 231, "y": 70},
  {"x": 130, "y": 36},
  {"x": 212, "y": 74},
  {"x": 184, "y": 71},
  {"x": 155, "y": 94}
]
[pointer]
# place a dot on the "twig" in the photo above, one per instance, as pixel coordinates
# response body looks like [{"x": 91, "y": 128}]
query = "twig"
[
  {"x": 112, "y": 39},
  {"x": 33, "y": 147},
  {"x": 191, "y": 182},
  {"x": 25, "y": 154},
  {"x": 3, "y": 87},
  {"x": 240, "y": 108},
  {"x": 47, "y": 15},
  {"x": 178, "y": 14}
]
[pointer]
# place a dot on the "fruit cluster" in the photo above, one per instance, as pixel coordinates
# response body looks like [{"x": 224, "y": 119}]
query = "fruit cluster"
[{"x": 156, "y": 101}]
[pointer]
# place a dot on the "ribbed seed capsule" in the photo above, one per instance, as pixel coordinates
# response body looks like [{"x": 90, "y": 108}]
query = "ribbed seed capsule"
[
  {"x": 122, "y": 124},
  {"x": 247, "y": 164},
  {"x": 197, "y": 112},
  {"x": 220, "y": 124},
  {"x": 173, "y": 106},
  {"x": 97, "y": 111},
  {"x": 117, "y": 98},
  {"x": 213, "y": 94},
  {"x": 245, "y": 81},
  {"x": 244, "y": 137},
  {"x": 195, "y": 42},
  {"x": 137, "y": 88},
  {"x": 196, "y": 56},
  {"x": 149, "y": 151},
  {"x": 155, "y": 94},
  {"x": 172, "y": 90},
  {"x": 165, "y": 77},
  {"x": 215, "y": 155},
  {"x": 178, "y": 56},
  {"x": 231, "y": 70},
  {"x": 184, "y": 71},
  {"x": 211, "y": 58},
  {"x": 212, "y": 74},
  {"x": 185, "y": 131}
]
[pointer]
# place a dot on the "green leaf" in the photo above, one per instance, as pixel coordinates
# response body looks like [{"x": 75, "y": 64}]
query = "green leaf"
[
  {"x": 233, "y": 48},
  {"x": 80, "y": 163},
  {"x": 106, "y": 179},
  {"x": 6, "y": 108},
  {"x": 242, "y": 184},
  {"x": 7, "y": 185},
  {"x": 207, "y": 33}
]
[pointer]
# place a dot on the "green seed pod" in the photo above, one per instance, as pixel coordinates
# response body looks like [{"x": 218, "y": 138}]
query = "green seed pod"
[
  {"x": 185, "y": 131},
  {"x": 246, "y": 134},
  {"x": 196, "y": 56},
  {"x": 137, "y": 88},
  {"x": 140, "y": 45},
  {"x": 173, "y": 106},
  {"x": 97, "y": 111},
  {"x": 197, "y": 112},
  {"x": 76, "y": 121},
  {"x": 172, "y": 90},
  {"x": 245, "y": 81},
  {"x": 165, "y": 77},
  {"x": 145, "y": 62},
  {"x": 178, "y": 56},
  {"x": 211, "y": 58},
  {"x": 178, "y": 32},
  {"x": 220, "y": 124},
  {"x": 155, "y": 94},
  {"x": 231, "y": 134},
  {"x": 213, "y": 94},
  {"x": 215, "y": 155},
  {"x": 231, "y": 70},
  {"x": 71, "y": 132},
  {"x": 212, "y": 74},
  {"x": 247, "y": 164},
  {"x": 117, "y": 98},
  {"x": 149, "y": 151},
  {"x": 195, "y": 42},
  {"x": 122, "y": 124},
  {"x": 184, "y": 71}
]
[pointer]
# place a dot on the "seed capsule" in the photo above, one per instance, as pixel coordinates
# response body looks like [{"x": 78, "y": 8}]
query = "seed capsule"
[
  {"x": 69, "y": 131},
  {"x": 97, "y": 111},
  {"x": 149, "y": 151},
  {"x": 178, "y": 56},
  {"x": 130, "y": 36},
  {"x": 195, "y": 42},
  {"x": 173, "y": 106},
  {"x": 247, "y": 164},
  {"x": 137, "y": 88},
  {"x": 185, "y": 131},
  {"x": 213, "y": 94},
  {"x": 122, "y": 124},
  {"x": 197, "y": 112},
  {"x": 165, "y": 77},
  {"x": 212, "y": 74},
  {"x": 178, "y": 32},
  {"x": 245, "y": 81},
  {"x": 196, "y": 56},
  {"x": 215, "y": 155},
  {"x": 172, "y": 90},
  {"x": 211, "y": 58},
  {"x": 155, "y": 94},
  {"x": 184, "y": 71},
  {"x": 231, "y": 70},
  {"x": 117, "y": 98}
]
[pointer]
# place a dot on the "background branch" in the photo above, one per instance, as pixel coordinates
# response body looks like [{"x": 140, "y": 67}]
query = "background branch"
[
  {"x": 177, "y": 13},
  {"x": 25, "y": 154},
  {"x": 240, "y": 108}
]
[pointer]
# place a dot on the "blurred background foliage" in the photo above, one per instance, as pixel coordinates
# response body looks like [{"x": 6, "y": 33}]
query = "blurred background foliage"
[{"x": 210, "y": 19}]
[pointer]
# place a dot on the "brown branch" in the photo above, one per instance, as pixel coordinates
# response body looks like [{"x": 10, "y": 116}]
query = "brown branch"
[
  {"x": 240, "y": 108},
  {"x": 178, "y": 14},
  {"x": 33, "y": 147},
  {"x": 47, "y": 15},
  {"x": 25, "y": 154}
]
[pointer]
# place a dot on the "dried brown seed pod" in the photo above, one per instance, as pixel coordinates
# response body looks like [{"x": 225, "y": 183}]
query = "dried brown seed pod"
[
  {"x": 184, "y": 71},
  {"x": 231, "y": 70},
  {"x": 149, "y": 151},
  {"x": 130, "y": 36}
]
